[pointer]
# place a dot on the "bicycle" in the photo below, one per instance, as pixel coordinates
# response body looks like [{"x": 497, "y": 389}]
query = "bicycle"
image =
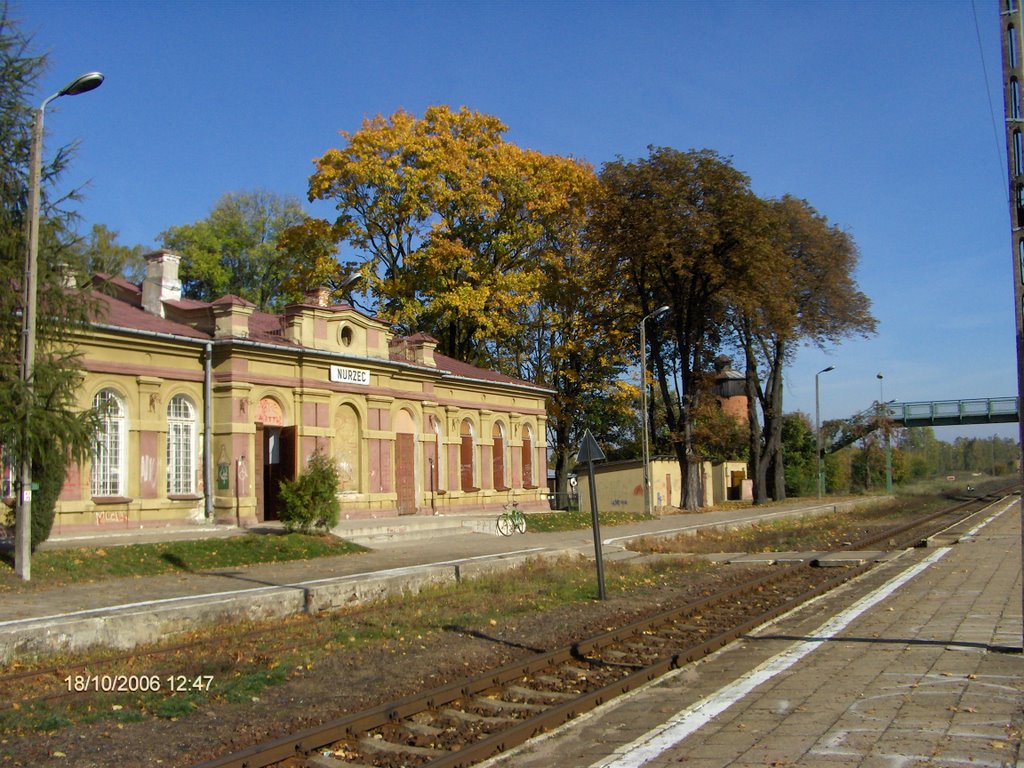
[{"x": 512, "y": 520}]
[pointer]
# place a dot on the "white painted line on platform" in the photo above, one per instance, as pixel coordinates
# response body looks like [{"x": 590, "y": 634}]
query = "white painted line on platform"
[
  {"x": 257, "y": 590},
  {"x": 683, "y": 724}
]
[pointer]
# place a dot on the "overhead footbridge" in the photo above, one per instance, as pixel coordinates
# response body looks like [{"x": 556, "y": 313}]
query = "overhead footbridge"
[
  {"x": 945, "y": 413},
  {"x": 928, "y": 413}
]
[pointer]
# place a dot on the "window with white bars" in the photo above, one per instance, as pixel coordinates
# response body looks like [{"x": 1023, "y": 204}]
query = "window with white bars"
[
  {"x": 109, "y": 457},
  {"x": 181, "y": 446}
]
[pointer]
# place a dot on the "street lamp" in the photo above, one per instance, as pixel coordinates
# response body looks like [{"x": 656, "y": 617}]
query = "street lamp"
[
  {"x": 885, "y": 429},
  {"x": 659, "y": 312},
  {"x": 817, "y": 423},
  {"x": 23, "y": 521}
]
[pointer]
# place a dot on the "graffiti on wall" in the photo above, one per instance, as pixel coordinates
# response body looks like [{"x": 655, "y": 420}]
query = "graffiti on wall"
[{"x": 111, "y": 517}]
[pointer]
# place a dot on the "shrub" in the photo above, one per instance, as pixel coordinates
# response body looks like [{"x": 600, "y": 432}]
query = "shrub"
[
  {"x": 48, "y": 479},
  {"x": 311, "y": 500}
]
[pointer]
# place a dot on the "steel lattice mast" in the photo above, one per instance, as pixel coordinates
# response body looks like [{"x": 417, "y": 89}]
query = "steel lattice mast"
[{"x": 1013, "y": 77}]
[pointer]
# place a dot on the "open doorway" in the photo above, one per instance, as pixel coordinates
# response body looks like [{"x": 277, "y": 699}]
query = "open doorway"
[{"x": 274, "y": 458}]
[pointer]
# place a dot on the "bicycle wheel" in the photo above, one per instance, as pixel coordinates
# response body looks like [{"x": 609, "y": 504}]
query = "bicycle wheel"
[
  {"x": 520, "y": 522},
  {"x": 505, "y": 525}
]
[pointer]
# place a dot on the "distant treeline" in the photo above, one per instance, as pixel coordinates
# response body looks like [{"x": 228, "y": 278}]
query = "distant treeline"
[{"x": 916, "y": 454}]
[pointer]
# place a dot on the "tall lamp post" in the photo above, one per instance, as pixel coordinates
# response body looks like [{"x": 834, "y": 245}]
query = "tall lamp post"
[
  {"x": 817, "y": 424},
  {"x": 885, "y": 429},
  {"x": 23, "y": 519},
  {"x": 648, "y": 500}
]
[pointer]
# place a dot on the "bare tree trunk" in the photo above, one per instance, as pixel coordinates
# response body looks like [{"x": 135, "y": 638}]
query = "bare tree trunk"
[
  {"x": 563, "y": 457},
  {"x": 772, "y": 407}
]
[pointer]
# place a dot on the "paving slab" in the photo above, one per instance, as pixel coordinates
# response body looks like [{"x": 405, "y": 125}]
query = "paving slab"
[
  {"x": 838, "y": 559},
  {"x": 916, "y": 663}
]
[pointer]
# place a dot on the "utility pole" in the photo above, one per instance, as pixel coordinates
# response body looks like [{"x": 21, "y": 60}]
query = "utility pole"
[
  {"x": 1010, "y": 22},
  {"x": 23, "y": 517}
]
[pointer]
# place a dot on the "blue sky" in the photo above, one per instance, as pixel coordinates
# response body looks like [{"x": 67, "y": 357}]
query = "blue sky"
[{"x": 877, "y": 113}]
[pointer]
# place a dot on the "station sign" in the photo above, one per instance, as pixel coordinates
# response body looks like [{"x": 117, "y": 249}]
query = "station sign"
[{"x": 342, "y": 375}]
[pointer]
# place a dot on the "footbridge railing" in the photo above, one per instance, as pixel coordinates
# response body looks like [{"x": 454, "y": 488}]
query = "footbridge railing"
[
  {"x": 928, "y": 413},
  {"x": 940, "y": 413}
]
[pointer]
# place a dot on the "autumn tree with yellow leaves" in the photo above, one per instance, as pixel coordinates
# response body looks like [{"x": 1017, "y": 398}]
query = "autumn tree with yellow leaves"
[
  {"x": 478, "y": 242},
  {"x": 445, "y": 215}
]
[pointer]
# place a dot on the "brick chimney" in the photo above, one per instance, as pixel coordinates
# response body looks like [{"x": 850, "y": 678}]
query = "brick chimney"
[
  {"x": 161, "y": 283},
  {"x": 319, "y": 296},
  {"x": 417, "y": 349}
]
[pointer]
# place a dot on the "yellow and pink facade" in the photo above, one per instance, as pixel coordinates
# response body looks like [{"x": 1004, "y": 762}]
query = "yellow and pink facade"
[{"x": 210, "y": 405}]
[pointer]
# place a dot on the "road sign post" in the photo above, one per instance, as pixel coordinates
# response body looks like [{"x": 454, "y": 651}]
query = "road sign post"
[{"x": 590, "y": 452}]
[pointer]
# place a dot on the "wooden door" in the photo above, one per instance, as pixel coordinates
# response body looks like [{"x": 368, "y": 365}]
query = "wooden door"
[
  {"x": 259, "y": 473},
  {"x": 405, "y": 473},
  {"x": 466, "y": 463},
  {"x": 498, "y": 462}
]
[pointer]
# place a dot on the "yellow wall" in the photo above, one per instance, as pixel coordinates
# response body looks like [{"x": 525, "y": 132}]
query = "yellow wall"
[
  {"x": 619, "y": 485},
  {"x": 146, "y": 372}
]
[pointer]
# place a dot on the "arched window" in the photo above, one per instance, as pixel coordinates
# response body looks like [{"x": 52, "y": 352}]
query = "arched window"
[
  {"x": 347, "y": 449},
  {"x": 527, "y": 457},
  {"x": 181, "y": 446},
  {"x": 498, "y": 457},
  {"x": 108, "y": 464},
  {"x": 466, "y": 468},
  {"x": 438, "y": 456},
  {"x": 1015, "y": 112},
  {"x": 1011, "y": 45}
]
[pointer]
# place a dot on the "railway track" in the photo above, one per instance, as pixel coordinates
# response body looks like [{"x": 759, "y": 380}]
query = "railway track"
[{"x": 471, "y": 720}]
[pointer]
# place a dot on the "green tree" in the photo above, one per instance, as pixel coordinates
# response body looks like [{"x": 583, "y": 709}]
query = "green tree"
[
  {"x": 59, "y": 433},
  {"x": 684, "y": 229},
  {"x": 235, "y": 249},
  {"x": 717, "y": 435},
  {"x": 921, "y": 447},
  {"x": 574, "y": 338},
  {"x": 798, "y": 447},
  {"x": 311, "y": 500},
  {"x": 102, "y": 254},
  {"x": 805, "y": 293}
]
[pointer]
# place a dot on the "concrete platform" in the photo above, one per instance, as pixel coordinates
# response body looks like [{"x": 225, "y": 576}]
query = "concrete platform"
[
  {"x": 918, "y": 663},
  {"x": 836, "y": 559}
]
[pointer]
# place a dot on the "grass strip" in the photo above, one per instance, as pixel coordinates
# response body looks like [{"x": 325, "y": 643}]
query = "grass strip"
[
  {"x": 813, "y": 533},
  {"x": 55, "y": 567}
]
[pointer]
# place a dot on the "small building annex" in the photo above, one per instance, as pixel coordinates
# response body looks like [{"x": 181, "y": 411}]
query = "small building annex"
[{"x": 211, "y": 405}]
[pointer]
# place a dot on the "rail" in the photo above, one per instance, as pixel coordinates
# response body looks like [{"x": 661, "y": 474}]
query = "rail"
[{"x": 467, "y": 721}]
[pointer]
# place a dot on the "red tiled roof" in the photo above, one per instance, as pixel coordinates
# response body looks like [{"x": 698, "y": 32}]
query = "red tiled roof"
[
  {"x": 231, "y": 299},
  {"x": 467, "y": 371},
  {"x": 124, "y": 315},
  {"x": 187, "y": 303},
  {"x": 267, "y": 328},
  {"x": 120, "y": 282}
]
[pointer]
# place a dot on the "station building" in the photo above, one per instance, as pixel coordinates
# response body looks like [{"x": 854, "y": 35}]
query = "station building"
[{"x": 211, "y": 405}]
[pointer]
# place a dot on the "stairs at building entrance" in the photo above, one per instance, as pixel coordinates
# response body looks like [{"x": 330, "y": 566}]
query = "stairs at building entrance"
[{"x": 374, "y": 532}]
